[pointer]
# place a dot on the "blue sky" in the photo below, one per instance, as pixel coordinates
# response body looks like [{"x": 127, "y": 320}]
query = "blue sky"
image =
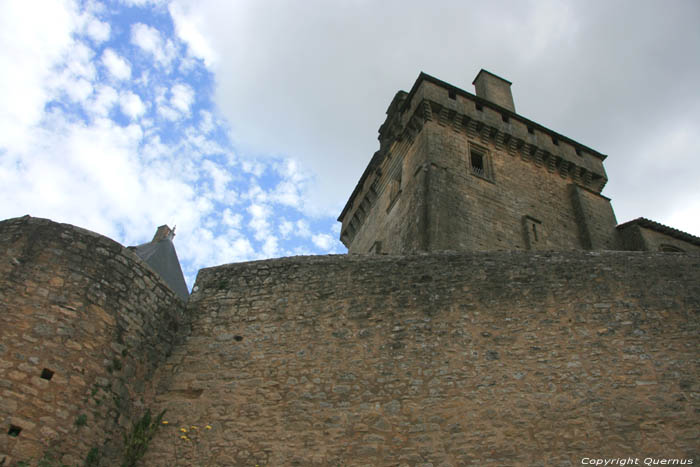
[{"x": 248, "y": 123}]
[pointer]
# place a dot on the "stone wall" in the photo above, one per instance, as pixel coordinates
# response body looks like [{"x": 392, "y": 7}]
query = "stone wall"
[
  {"x": 83, "y": 324},
  {"x": 502, "y": 358}
]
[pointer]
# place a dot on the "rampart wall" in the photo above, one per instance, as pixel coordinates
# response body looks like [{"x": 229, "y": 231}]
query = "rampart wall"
[
  {"x": 499, "y": 358},
  {"x": 83, "y": 324}
]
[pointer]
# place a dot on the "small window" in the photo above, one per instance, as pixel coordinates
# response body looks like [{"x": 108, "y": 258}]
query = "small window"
[
  {"x": 505, "y": 118},
  {"x": 533, "y": 232},
  {"x": 479, "y": 161},
  {"x": 555, "y": 140},
  {"x": 531, "y": 130},
  {"x": 14, "y": 431},
  {"x": 479, "y": 107},
  {"x": 452, "y": 94},
  {"x": 46, "y": 374},
  {"x": 578, "y": 152}
]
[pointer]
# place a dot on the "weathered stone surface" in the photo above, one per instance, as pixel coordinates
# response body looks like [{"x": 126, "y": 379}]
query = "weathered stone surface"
[
  {"x": 503, "y": 358},
  {"x": 77, "y": 337}
]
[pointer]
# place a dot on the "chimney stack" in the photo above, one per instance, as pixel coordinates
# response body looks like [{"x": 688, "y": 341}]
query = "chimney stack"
[
  {"x": 162, "y": 233},
  {"x": 495, "y": 89}
]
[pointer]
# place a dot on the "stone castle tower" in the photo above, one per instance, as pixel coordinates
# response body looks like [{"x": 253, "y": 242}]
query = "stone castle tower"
[
  {"x": 464, "y": 172},
  {"x": 543, "y": 353}
]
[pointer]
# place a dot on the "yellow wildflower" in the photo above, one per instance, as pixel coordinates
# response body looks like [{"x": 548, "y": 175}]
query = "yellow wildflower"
[
  {"x": 193, "y": 427},
  {"x": 208, "y": 427},
  {"x": 184, "y": 437},
  {"x": 183, "y": 429},
  {"x": 164, "y": 422}
]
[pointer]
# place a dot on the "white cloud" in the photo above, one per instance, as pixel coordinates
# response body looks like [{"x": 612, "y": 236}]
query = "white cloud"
[
  {"x": 285, "y": 228},
  {"x": 97, "y": 30},
  {"x": 323, "y": 241},
  {"x": 303, "y": 229},
  {"x": 131, "y": 104},
  {"x": 33, "y": 38},
  {"x": 259, "y": 214},
  {"x": 104, "y": 100},
  {"x": 150, "y": 40},
  {"x": 182, "y": 97},
  {"x": 220, "y": 178},
  {"x": 116, "y": 65},
  {"x": 270, "y": 247},
  {"x": 231, "y": 219},
  {"x": 78, "y": 90},
  {"x": 188, "y": 26}
]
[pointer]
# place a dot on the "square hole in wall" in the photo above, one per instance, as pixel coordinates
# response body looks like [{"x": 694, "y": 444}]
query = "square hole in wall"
[
  {"x": 531, "y": 130},
  {"x": 14, "y": 431},
  {"x": 505, "y": 118},
  {"x": 452, "y": 94},
  {"x": 46, "y": 374},
  {"x": 479, "y": 107}
]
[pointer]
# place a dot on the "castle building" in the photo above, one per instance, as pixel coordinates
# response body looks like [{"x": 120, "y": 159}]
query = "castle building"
[
  {"x": 465, "y": 172},
  {"x": 465, "y": 357}
]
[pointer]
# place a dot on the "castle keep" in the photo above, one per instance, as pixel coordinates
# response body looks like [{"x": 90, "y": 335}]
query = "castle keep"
[
  {"x": 464, "y": 172},
  {"x": 491, "y": 312}
]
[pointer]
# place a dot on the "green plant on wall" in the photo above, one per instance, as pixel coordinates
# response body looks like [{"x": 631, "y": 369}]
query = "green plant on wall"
[{"x": 137, "y": 440}]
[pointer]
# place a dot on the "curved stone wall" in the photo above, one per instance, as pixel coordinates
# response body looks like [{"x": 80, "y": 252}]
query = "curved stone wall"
[
  {"x": 84, "y": 323},
  {"x": 498, "y": 358}
]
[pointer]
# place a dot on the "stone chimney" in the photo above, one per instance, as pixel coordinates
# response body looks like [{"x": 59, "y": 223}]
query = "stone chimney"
[
  {"x": 495, "y": 89},
  {"x": 162, "y": 233}
]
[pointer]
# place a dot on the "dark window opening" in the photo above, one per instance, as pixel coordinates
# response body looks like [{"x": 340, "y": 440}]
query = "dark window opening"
[
  {"x": 670, "y": 249},
  {"x": 238, "y": 338},
  {"x": 479, "y": 107},
  {"x": 46, "y": 374},
  {"x": 578, "y": 152},
  {"x": 531, "y": 130},
  {"x": 555, "y": 140},
  {"x": 452, "y": 94},
  {"x": 14, "y": 431},
  {"x": 505, "y": 118},
  {"x": 534, "y": 232},
  {"x": 477, "y": 162}
]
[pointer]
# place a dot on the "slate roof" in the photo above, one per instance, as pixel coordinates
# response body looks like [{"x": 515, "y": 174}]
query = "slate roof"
[{"x": 162, "y": 258}]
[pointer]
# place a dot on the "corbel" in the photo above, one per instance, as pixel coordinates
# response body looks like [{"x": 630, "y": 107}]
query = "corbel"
[
  {"x": 564, "y": 168},
  {"x": 500, "y": 140},
  {"x": 427, "y": 111},
  {"x": 473, "y": 128},
  {"x": 443, "y": 117}
]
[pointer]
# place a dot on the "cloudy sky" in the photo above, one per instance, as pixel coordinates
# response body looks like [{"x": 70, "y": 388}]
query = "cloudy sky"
[{"x": 248, "y": 123}]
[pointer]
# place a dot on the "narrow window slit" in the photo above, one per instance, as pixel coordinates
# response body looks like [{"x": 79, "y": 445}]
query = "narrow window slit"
[
  {"x": 14, "y": 431},
  {"x": 46, "y": 374}
]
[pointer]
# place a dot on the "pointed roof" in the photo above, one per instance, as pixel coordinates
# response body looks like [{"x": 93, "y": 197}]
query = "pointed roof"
[{"x": 160, "y": 255}]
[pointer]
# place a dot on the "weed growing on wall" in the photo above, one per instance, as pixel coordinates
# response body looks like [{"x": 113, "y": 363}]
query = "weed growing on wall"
[{"x": 137, "y": 440}]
